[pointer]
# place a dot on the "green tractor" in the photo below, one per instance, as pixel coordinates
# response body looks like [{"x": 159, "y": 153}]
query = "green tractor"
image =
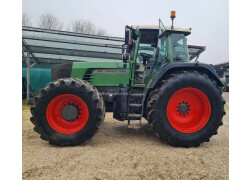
[{"x": 182, "y": 100}]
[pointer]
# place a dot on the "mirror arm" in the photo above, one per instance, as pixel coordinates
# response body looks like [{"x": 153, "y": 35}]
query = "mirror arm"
[{"x": 130, "y": 28}]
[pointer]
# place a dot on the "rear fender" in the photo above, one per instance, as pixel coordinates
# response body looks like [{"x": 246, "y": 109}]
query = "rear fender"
[{"x": 200, "y": 67}]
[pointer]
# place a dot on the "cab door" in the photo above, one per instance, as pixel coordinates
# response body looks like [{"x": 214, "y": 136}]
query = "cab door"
[{"x": 160, "y": 53}]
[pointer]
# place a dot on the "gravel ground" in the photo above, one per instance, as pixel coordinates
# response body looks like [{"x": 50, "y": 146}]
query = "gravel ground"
[{"x": 119, "y": 152}]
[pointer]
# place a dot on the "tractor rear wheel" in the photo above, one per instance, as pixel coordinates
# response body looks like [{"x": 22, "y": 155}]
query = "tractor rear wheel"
[
  {"x": 67, "y": 112},
  {"x": 186, "y": 110}
]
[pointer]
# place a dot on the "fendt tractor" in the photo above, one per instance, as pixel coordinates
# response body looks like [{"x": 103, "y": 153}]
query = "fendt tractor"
[{"x": 181, "y": 99}]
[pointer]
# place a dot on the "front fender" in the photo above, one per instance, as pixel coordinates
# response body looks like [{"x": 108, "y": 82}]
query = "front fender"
[
  {"x": 184, "y": 66},
  {"x": 61, "y": 71}
]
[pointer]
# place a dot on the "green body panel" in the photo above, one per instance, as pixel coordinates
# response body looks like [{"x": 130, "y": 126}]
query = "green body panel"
[
  {"x": 102, "y": 73},
  {"x": 169, "y": 51},
  {"x": 110, "y": 77}
]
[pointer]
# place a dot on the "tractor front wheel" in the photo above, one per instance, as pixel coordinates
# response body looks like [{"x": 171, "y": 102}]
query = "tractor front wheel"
[
  {"x": 67, "y": 112},
  {"x": 186, "y": 109}
]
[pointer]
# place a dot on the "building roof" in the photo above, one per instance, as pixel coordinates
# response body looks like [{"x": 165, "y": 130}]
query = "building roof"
[{"x": 221, "y": 64}]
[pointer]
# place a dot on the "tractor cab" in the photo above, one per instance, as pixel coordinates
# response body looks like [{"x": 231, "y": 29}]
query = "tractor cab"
[{"x": 148, "y": 48}]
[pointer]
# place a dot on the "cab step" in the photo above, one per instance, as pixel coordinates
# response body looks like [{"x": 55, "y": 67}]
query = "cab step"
[
  {"x": 135, "y": 105},
  {"x": 134, "y": 116},
  {"x": 136, "y": 95}
]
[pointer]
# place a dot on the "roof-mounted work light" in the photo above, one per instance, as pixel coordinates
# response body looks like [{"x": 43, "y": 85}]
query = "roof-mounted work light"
[{"x": 172, "y": 16}]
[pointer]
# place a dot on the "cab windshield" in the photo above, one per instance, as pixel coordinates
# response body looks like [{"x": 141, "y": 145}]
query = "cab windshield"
[{"x": 179, "y": 46}]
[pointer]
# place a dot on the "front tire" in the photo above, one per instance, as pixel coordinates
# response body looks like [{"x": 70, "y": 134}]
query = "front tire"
[
  {"x": 67, "y": 112},
  {"x": 186, "y": 110}
]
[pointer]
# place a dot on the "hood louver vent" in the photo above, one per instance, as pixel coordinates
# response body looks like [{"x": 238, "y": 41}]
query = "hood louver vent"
[{"x": 88, "y": 76}]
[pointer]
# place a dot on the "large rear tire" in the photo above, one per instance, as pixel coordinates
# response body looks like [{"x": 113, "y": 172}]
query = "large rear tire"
[
  {"x": 67, "y": 112},
  {"x": 186, "y": 109}
]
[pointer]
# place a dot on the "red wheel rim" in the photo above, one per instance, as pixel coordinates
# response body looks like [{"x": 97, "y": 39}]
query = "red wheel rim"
[
  {"x": 58, "y": 122},
  {"x": 188, "y": 110}
]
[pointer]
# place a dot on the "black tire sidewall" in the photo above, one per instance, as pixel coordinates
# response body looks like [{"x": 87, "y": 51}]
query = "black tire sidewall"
[
  {"x": 86, "y": 132},
  {"x": 165, "y": 129}
]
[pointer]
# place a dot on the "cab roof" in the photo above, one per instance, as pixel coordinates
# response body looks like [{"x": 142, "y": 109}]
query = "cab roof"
[
  {"x": 150, "y": 32},
  {"x": 168, "y": 28}
]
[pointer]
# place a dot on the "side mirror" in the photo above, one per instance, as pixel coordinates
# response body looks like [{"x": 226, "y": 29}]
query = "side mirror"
[
  {"x": 127, "y": 48},
  {"x": 125, "y": 57},
  {"x": 129, "y": 34},
  {"x": 124, "y": 47},
  {"x": 126, "y": 36}
]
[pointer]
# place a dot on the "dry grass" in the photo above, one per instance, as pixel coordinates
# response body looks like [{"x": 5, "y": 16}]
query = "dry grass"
[{"x": 119, "y": 152}]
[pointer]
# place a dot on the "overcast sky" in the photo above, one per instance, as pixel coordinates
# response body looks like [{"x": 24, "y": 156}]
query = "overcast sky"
[{"x": 207, "y": 18}]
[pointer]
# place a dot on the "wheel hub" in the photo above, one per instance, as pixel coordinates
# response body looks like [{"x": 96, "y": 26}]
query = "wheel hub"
[
  {"x": 188, "y": 110},
  {"x": 69, "y": 112},
  {"x": 183, "y": 108}
]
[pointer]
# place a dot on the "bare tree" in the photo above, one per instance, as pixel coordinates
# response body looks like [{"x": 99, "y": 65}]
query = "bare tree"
[
  {"x": 49, "y": 21},
  {"x": 26, "y": 20},
  {"x": 101, "y": 32},
  {"x": 83, "y": 26},
  {"x": 86, "y": 27}
]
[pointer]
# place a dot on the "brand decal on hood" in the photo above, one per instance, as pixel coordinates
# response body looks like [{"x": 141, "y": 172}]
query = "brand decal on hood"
[{"x": 111, "y": 71}]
